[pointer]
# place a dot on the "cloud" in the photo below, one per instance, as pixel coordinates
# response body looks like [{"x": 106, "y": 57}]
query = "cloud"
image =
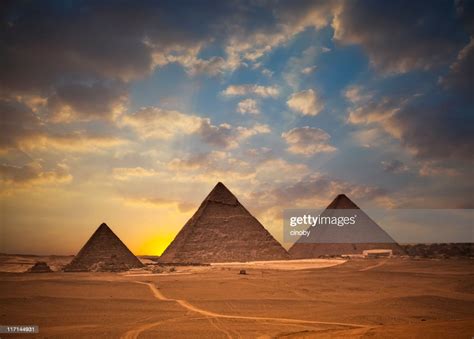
[
  {"x": 21, "y": 128},
  {"x": 429, "y": 125},
  {"x": 310, "y": 191},
  {"x": 71, "y": 43},
  {"x": 199, "y": 160},
  {"x": 433, "y": 169},
  {"x": 32, "y": 174},
  {"x": 257, "y": 167},
  {"x": 17, "y": 122},
  {"x": 447, "y": 129},
  {"x": 417, "y": 39},
  {"x": 308, "y": 70},
  {"x": 188, "y": 57},
  {"x": 155, "y": 201},
  {"x": 394, "y": 166},
  {"x": 72, "y": 102},
  {"x": 308, "y": 141},
  {"x": 126, "y": 173},
  {"x": 161, "y": 124},
  {"x": 267, "y": 72},
  {"x": 376, "y": 110},
  {"x": 355, "y": 94},
  {"x": 278, "y": 170},
  {"x": 211, "y": 166},
  {"x": 305, "y": 102},
  {"x": 254, "y": 35},
  {"x": 461, "y": 75},
  {"x": 257, "y": 90},
  {"x": 77, "y": 141},
  {"x": 298, "y": 65},
  {"x": 249, "y": 106},
  {"x": 226, "y": 136}
]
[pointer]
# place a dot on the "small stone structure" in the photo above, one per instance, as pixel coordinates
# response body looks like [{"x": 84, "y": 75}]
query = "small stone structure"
[{"x": 40, "y": 267}]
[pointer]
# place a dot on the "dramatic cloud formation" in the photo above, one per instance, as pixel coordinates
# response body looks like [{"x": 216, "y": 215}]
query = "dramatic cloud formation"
[
  {"x": 399, "y": 36},
  {"x": 305, "y": 102},
  {"x": 426, "y": 129},
  {"x": 307, "y": 141},
  {"x": 126, "y": 108}
]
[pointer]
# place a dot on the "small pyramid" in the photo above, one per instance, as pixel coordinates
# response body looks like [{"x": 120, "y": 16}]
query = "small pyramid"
[
  {"x": 327, "y": 240},
  {"x": 222, "y": 230},
  {"x": 40, "y": 267},
  {"x": 104, "y": 251}
]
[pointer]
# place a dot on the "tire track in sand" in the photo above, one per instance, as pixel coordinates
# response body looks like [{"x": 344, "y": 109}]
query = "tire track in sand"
[
  {"x": 368, "y": 268},
  {"x": 183, "y": 303}
]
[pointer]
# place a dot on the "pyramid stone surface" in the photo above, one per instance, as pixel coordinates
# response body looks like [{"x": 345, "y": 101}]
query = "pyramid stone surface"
[
  {"x": 329, "y": 240},
  {"x": 104, "y": 251},
  {"x": 222, "y": 230}
]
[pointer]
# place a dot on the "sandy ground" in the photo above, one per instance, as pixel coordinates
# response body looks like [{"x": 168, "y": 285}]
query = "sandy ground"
[
  {"x": 358, "y": 298},
  {"x": 21, "y": 263}
]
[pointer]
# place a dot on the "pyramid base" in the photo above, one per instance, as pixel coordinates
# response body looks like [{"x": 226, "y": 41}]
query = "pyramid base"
[
  {"x": 312, "y": 250},
  {"x": 101, "y": 267}
]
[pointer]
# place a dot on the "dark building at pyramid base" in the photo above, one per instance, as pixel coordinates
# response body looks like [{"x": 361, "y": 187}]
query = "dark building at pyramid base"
[
  {"x": 103, "y": 252},
  {"x": 222, "y": 230},
  {"x": 306, "y": 251}
]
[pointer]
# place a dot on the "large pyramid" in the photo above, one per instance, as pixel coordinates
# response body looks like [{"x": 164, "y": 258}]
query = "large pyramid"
[
  {"x": 222, "y": 230},
  {"x": 104, "y": 251},
  {"x": 324, "y": 240}
]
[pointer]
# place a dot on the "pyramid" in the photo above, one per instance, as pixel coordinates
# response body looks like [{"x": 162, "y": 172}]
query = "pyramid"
[
  {"x": 40, "y": 267},
  {"x": 104, "y": 251},
  {"x": 326, "y": 240},
  {"x": 222, "y": 230}
]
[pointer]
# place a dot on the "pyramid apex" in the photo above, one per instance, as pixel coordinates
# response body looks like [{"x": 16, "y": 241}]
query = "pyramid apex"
[
  {"x": 103, "y": 227},
  {"x": 220, "y": 193},
  {"x": 342, "y": 201}
]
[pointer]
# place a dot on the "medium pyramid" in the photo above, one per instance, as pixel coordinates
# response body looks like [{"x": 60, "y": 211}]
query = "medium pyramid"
[
  {"x": 325, "y": 240},
  {"x": 222, "y": 230},
  {"x": 104, "y": 251}
]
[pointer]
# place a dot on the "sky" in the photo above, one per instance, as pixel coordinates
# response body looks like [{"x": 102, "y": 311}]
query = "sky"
[{"x": 129, "y": 112}]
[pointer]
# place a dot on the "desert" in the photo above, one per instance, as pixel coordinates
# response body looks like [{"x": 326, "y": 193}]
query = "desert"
[{"x": 395, "y": 297}]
